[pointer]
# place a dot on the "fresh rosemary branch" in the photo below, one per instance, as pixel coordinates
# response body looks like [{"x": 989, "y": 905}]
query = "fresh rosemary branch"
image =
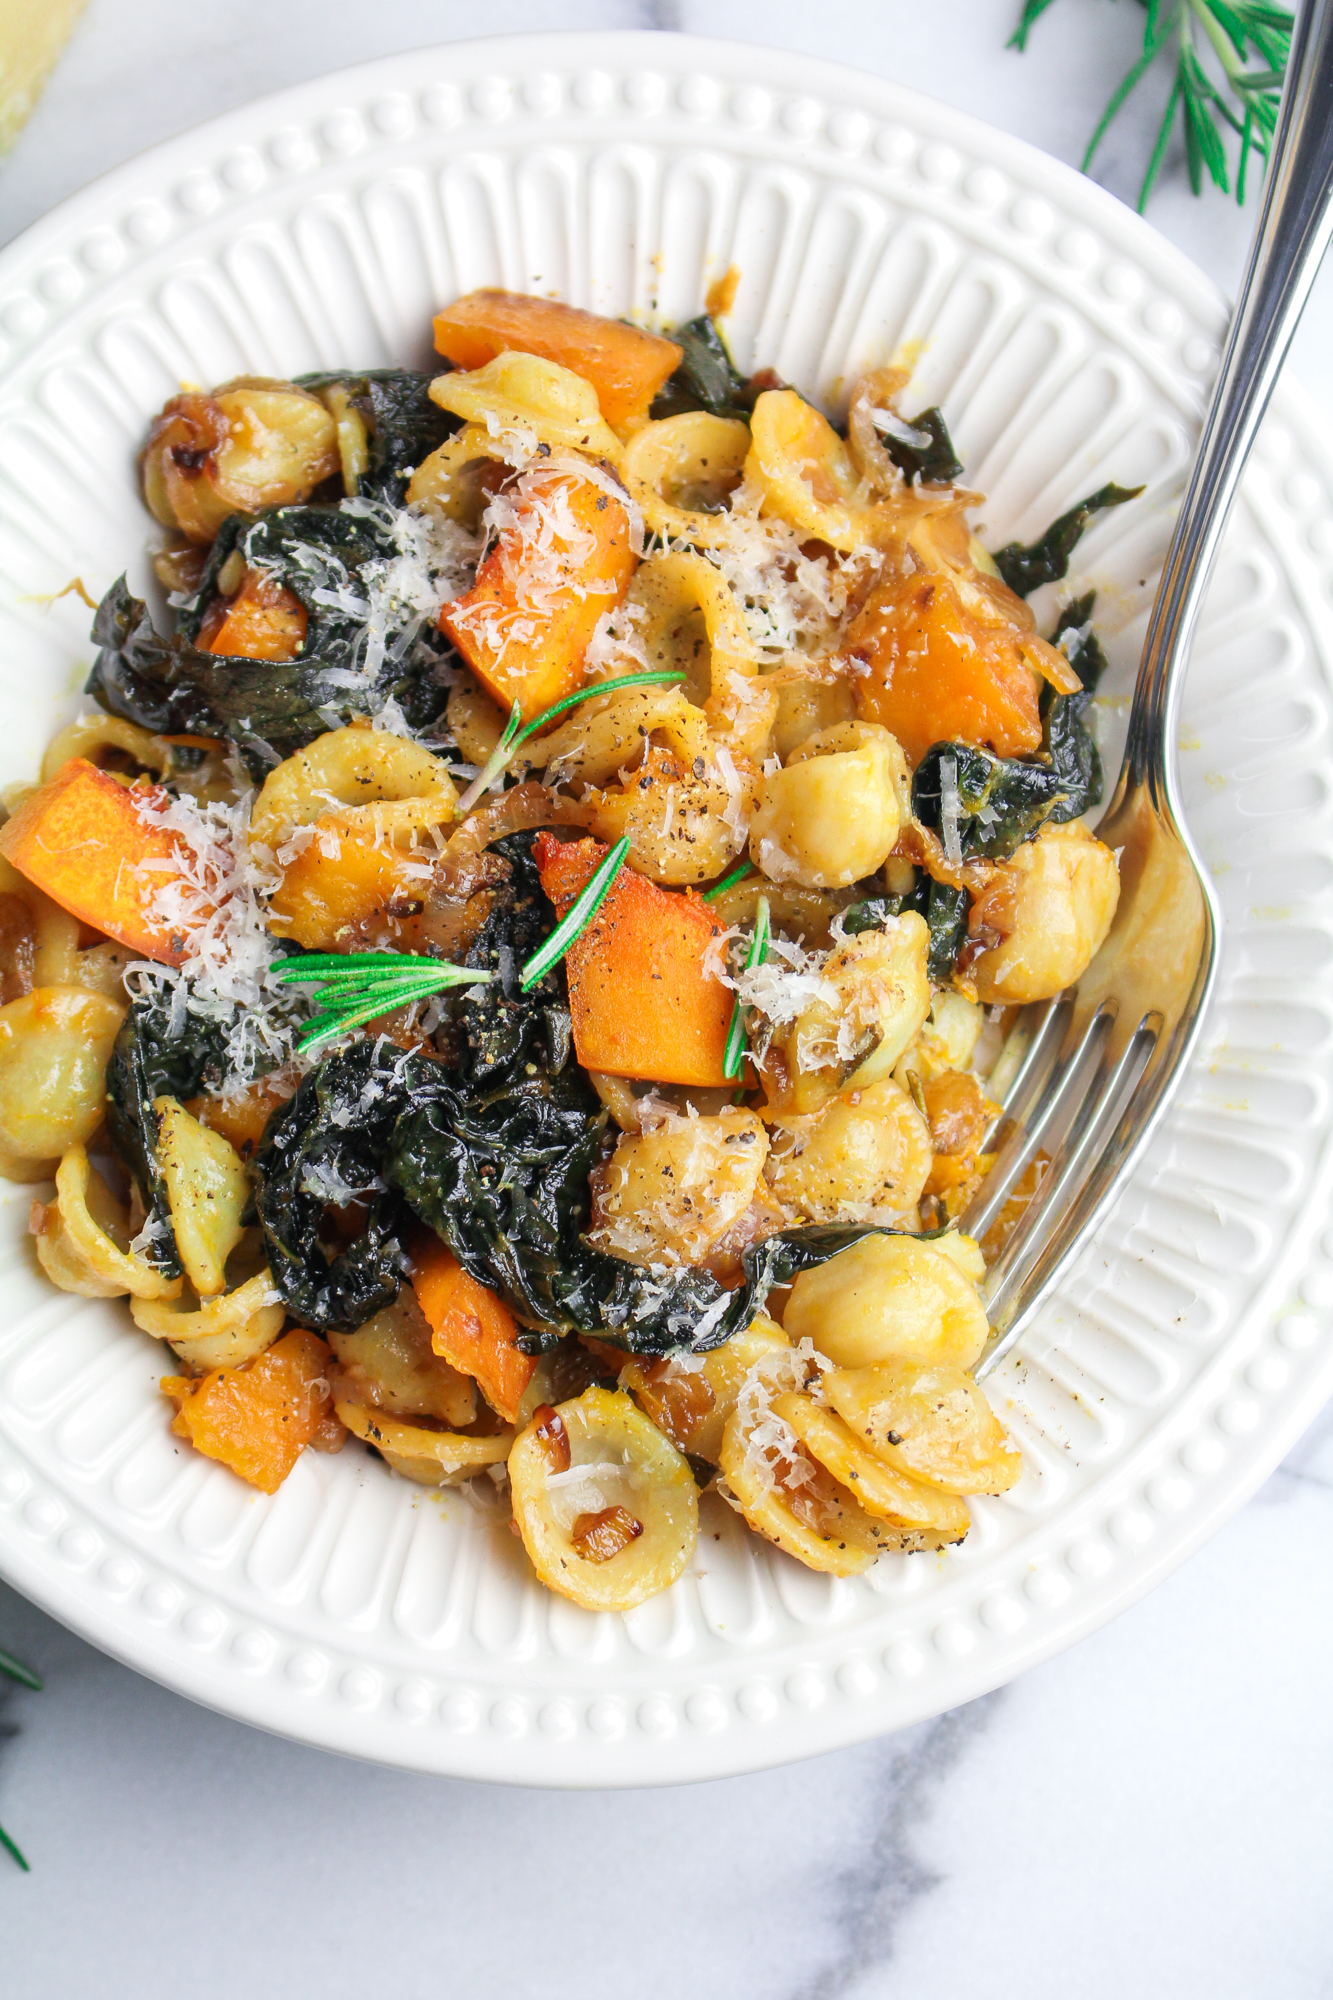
[
  {"x": 359, "y": 986},
  {"x": 733, "y": 1060},
  {"x": 15, "y": 1670},
  {"x": 513, "y": 738},
  {"x": 1246, "y": 100}
]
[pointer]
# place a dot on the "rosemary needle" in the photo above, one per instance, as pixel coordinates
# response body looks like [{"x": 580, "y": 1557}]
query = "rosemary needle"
[
  {"x": 579, "y": 915},
  {"x": 15, "y": 1670},
  {"x": 734, "y": 1059},
  {"x": 727, "y": 882}
]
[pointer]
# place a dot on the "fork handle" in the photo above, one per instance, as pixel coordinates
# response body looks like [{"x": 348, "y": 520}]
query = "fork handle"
[{"x": 1295, "y": 223}]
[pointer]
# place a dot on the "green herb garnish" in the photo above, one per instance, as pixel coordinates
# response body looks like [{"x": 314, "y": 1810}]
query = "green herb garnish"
[
  {"x": 15, "y": 1670},
  {"x": 734, "y": 1058},
  {"x": 359, "y": 986},
  {"x": 577, "y": 918},
  {"x": 1246, "y": 101},
  {"x": 514, "y": 738},
  {"x": 727, "y": 882}
]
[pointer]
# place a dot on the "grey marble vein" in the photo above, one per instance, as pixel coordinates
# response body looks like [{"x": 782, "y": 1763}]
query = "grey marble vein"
[{"x": 889, "y": 1877}]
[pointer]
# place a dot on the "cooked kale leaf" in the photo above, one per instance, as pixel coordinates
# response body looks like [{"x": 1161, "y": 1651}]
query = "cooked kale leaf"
[
  {"x": 269, "y": 708},
  {"x": 152, "y": 1059},
  {"x": 324, "y": 1149},
  {"x": 935, "y": 463},
  {"x": 1047, "y": 559},
  {"x": 707, "y": 378},
  {"x": 403, "y": 426}
]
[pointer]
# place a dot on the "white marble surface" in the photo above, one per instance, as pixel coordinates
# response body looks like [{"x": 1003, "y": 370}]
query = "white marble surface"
[{"x": 1150, "y": 1813}]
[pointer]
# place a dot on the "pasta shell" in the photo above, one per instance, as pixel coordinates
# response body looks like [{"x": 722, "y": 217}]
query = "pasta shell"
[{"x": 618, "y": 1463}]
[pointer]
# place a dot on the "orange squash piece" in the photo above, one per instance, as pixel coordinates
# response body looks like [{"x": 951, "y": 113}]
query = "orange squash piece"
[
  {"x": 625, "y": 365},
  {"x": 933, "y": 672},
  {"x": 356, "y": 897},
  {"x": 525, "y": 624},
  {"x": 241, "y": 1118},
  {"x": 263, "y": 621},
  {"x": 470, "y": 1328},
  {"x": 81, "y": 839},
  {"x": 258, "y": 1418},
  {"x": 642, "y": 1003}
]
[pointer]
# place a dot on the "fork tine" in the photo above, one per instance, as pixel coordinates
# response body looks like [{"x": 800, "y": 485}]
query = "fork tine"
[
  {"x": 1051, "y": 1094},
  {"x": 1089, "y": 1160},
  {"x": 1027, "y": 1054}
]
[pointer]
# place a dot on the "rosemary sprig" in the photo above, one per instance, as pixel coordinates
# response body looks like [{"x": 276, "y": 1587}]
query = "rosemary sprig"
[
  {"x": 356, "y": 987},
  {"x": 733, "y": 1060},
  {"x": 1246, "y": 101},
  {"x": 359, "y": 986},
  {"x": 15, "y": 1670},
  {"x": 514, "y": 738}
]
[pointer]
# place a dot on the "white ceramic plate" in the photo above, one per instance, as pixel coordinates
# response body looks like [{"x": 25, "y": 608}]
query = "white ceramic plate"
[{"x": 1069, "y": 345}]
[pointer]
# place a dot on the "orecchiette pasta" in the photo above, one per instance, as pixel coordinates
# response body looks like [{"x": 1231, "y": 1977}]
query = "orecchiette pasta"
[
  {"x": 207, "y": 1192},
  {"x": 787, "y": 1496},
  {"x": 666, "y": 1195},
  {"x": 875, "y": 997},
  {"x": 54, "y": 1045},
  {"x": 83, "y": 1239},
  {"x": 219, "y": 1332},
  {"x": 690, "y": 1397},
  {"x": 889, "y": 1296},
  {"x": 523, "y": 392},
  {"x": 927, "y": 1419},
  {"x": 684, "y": 824},
  {"x": 919, "y": 1516},
  {"x": 1042, "y": 915},
  {"x": 350, "y": 824},
  {"x": 682, "y": 470},
  {"x": 806, "y": 475},
  {"x": 432, "y": 1457},
  {"x": 606, "y": 1506},
  {"x": 831, "y": 817},
  {"x": 866, "y": 1152},
  {"x": 253, "y": 443}
]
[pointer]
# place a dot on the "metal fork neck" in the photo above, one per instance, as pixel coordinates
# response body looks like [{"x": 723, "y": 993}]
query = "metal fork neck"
[{"x": 1295, "y": 223}]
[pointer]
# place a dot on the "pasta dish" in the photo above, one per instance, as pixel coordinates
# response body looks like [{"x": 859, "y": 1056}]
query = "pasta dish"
[{"x": 510, "y": 961}]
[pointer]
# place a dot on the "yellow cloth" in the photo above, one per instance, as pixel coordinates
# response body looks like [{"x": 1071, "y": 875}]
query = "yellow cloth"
[{"x": 32, "y": 35}]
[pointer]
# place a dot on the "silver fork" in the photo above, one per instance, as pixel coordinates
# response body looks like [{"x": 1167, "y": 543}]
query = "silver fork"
[{"x": 1086, "y": 1079}]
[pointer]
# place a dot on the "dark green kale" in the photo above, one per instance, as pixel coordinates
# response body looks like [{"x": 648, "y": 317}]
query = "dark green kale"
[
  {"x": 155, "y": 1056},
  {"x": 871, "y": 913},
  {"x": 324, "y": 1149},
  {"x": 502, "y": 1029},
  {"x": 1047, "y": 559},
  {"x": 943, "y": 909},
  {"x": 267, "y": 708},
  {"x": 931, "y": 462},
  {"x": 403, "y": 426},
  {"x": 1067, "y": 739},
  {"x": 707, "y": 378}
]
